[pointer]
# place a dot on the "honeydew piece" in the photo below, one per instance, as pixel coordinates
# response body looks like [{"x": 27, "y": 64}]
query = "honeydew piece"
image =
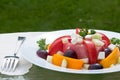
[
  {"x": 88, "y": 37},
  {"x": 97, "y": 36},
  {"x": 49, "y": 59},
  {"x": 65, "y": 40},
  {"x": 60, "y": 52},
  {"x": 101, "y": 55},
  {"x": 111, "y": 46},
  {"x": 98, "y": 42},
  {"x": 86, "y": 66},
  {"x": 64, "y": 63},
  {"x": 85, "y": 60}
]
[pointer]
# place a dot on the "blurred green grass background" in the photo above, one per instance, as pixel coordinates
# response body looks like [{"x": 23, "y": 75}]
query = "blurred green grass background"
[{"x": 49, "y": 15}]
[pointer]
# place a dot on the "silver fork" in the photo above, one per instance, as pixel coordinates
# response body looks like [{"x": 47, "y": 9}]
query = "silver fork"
[{"x": 10, "y": 62}]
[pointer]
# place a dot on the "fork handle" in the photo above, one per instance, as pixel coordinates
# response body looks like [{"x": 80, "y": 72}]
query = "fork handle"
[{"x": 18, "y": 45}]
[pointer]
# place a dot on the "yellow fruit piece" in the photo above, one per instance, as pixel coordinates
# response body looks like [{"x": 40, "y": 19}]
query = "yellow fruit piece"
[
  {"x": 71, "y": 62},
  {"x": 111, "y": 59},
  {"x": 118, "y": 60}
]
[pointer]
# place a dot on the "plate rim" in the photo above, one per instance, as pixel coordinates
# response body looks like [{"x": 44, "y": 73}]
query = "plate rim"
[{"x": 68, "y": 70}]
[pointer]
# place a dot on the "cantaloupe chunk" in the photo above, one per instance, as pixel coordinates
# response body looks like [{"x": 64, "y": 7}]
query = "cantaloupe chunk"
[
  {"x": 71, "y": 62},
  {"x": 111, "y": 59}
]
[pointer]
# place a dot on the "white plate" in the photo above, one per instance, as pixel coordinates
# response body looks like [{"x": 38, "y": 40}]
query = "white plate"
[{"x": 30, "y": 47}]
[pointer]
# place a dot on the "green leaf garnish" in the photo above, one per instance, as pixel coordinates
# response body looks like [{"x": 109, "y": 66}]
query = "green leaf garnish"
[
  {"x": 92, "y": 31},
  {"x": 115, "y": 41},
  {"x": 83, "y": 32},
  {"x": 42, "y": 44}
]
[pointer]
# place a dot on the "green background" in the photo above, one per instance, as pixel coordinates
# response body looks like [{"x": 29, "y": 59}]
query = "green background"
[{"x": 49, "y": 15}]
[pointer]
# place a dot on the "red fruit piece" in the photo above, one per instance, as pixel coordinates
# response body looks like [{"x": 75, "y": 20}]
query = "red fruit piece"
[
  {"x": 92, "y": 52},
  {"x": 77, "y": 30},
  {"x": 80, "y": 50},
  {"x": 57, "y": 45},
  {"x": 105, "y": 39},
  {"x": 67, "y": 46},
  {"x": 99, "y": 48}
]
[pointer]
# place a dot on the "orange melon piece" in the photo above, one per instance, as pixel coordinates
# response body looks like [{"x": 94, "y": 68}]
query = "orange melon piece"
[
  {"x": 57, "y": 59},
  {"x": 71, "y": 62},
  {"x": 111, "y": 59}
]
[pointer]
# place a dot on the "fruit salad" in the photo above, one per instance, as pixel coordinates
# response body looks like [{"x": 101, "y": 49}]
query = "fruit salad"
[{"x": 84, "y": 49}]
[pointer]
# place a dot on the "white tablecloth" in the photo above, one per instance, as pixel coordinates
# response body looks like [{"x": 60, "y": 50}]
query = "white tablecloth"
[{"x": 7, "y": 46}]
